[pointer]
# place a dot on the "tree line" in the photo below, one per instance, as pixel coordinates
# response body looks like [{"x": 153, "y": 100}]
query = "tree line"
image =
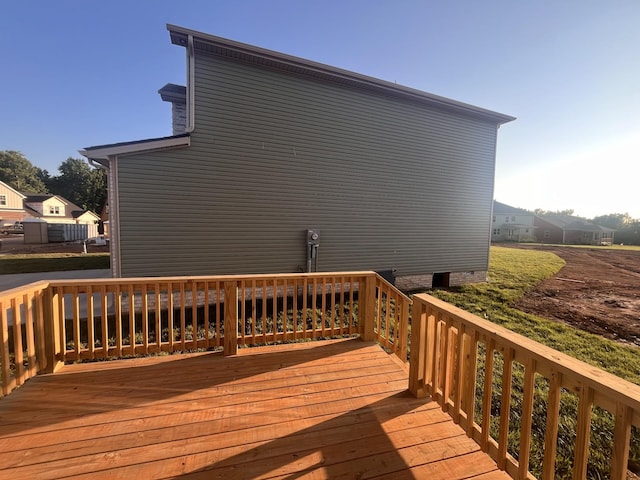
[{"x": 77, "y": 181}]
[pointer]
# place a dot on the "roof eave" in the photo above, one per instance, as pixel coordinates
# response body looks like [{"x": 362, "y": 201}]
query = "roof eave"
[
  {"x": 179, "y": 36},
  {"x": 102, "y": 153}
]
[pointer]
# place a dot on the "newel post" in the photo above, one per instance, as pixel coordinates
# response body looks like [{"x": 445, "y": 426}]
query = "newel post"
[
  {"x": 367, "y": 308},
  {"x": 417, "y": 356},
  {"x": 52, "y": 347},
  {"x": 230, "y": 318}
]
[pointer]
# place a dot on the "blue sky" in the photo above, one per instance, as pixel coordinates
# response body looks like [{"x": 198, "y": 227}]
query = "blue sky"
[{"x": 76, "y": 73}]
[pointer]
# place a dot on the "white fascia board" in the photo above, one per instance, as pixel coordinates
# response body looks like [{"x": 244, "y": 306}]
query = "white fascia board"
[
  {"x": 22, "y": 196},
  {"x": 104, "y": 152}
]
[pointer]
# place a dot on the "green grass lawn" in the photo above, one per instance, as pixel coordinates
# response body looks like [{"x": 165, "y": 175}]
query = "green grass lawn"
[{"x": 52, "y": 262}]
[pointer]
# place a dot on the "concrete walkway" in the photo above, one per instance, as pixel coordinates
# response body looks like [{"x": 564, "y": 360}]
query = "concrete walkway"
[{"x": 8, "y": 282}]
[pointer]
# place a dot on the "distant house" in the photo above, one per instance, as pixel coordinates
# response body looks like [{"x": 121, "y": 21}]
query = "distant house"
[
  {"x": 281, "y": 164},
  {"x": 571, "y": 230},
  {"x": 56, "y": 209},
  {"x": 11, "y": 205},
  {"x": 510, "y": 224}
]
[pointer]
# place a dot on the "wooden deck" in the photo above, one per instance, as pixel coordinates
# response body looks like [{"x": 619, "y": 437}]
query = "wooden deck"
[{"x": 317, "y": 410}]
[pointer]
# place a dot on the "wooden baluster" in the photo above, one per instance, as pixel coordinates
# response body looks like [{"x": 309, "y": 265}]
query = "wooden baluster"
[
  {"x": 104, "y": 320},
  {"x": 469, "y": 383},
  {"x": 487, "y": 395},
  {"x": 583, "y": 433},
  {"x": 91, "y": 336},
  {"x": 621, "y": 439},
  {"x": 145, "y": 319},
  {"x": 551, "y": 433},
  {"x": 27, "y": 301},
  {"x": 527, "y": 418},
  {"x": 18, "y": 351},
  {"x": 505, "y": 404}
]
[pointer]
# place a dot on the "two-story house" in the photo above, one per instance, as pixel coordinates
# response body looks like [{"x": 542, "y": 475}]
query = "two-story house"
[
  {"x": 511, "y": 224},
  {"x": 282, "y": 164},
  {"x": 56, "y": 209}
]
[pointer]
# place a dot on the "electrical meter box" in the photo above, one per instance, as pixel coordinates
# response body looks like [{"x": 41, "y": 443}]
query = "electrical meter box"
[{"x": 313, "y": 237}]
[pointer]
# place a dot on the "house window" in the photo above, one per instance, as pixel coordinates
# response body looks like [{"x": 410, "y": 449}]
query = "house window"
[
  {"x": 54, "y": 210},
  {"x": 494, "y": 219},
  {"x": 547, "y": 234},
  {"x": 3, "y": 199},
  {"x": 496, "y": 231}
]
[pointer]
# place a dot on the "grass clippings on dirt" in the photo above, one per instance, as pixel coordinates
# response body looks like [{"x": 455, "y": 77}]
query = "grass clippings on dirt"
[{"x": 52, "y": 262}]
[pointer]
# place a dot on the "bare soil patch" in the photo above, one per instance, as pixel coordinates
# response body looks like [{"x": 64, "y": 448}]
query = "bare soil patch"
[
  {"x": 14, "y": 245},
  {"x": 598, "y": 290}
]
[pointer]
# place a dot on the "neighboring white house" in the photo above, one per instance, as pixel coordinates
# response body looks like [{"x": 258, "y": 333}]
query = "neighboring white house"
[
  {"x": 57, "y": 209},
  {"x": 510, "y": 224},
  {"x": 11, "y": 205}
]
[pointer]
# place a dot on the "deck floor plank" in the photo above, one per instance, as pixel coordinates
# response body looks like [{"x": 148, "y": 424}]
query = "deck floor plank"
[{"x": 336, "y": 409}]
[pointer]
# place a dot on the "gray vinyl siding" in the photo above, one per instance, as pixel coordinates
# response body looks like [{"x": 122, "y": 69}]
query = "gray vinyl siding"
[{"x": 389, "y": 183}]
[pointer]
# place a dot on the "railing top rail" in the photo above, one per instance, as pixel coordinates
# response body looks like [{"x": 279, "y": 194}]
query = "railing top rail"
[
  {"x": 223, "y": 278},
  {"x": 207, "y": 278},
  {"x": 392, "y": 287},
  {"x": 29, "y": 287},
  {"x": 614, "y": 387}
]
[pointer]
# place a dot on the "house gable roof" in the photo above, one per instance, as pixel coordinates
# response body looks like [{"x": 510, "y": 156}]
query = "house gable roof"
[
  {"x": 43, "y": 197},
  {"x": 503, "y": 208},
  {"x": 79, "y": 213},
  {"x": 570, "y": 223},
  {"x": 8, "y": 187},
  {"x": 103, "y": 152},
  {"x": 71, "y": 209},
  {"x": 260, "y": 56}
]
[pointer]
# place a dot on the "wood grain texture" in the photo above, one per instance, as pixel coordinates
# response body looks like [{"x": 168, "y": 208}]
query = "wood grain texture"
[{"x": 332, "y": 409}]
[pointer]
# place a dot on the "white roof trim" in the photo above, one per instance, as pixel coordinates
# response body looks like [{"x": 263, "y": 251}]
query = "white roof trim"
[
  {"x": 178, "y": 35},
  {"x": 22, "y": 196},
  {"x": 106, "y": 151}
]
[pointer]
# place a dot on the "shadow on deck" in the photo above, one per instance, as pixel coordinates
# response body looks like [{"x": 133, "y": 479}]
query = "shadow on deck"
[{"x": 331, "y": 409}]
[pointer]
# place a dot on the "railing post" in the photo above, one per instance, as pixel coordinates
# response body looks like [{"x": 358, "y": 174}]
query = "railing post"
[
  {"x": 417, "y": 364},
  {"x": 403, "y": 322},
  {"x": 231, "y": 318},
  {"x": 52, "y": 346},
  {"x": 367, "y": 308}
]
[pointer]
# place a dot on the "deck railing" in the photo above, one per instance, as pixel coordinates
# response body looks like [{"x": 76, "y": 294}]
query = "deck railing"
[
  {"x": 477, "y": 371},
  {"x": 22, "y": 334},
  {"x": 480, "y": 372},
  {"x": 45, "y": 324}
]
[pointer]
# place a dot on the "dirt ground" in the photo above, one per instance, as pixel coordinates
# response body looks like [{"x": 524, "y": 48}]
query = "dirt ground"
[
  {"x": 14, "y": 245},
  {"x": 598, "y": 290}
]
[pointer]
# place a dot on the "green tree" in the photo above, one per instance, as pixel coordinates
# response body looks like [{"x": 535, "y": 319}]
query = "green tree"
[
  {"x": 19, "y": 173},
  {"x": 614, "y": 220},
  {"x": 83, "y": 185},
  {"x": 541, "y": 213}
]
